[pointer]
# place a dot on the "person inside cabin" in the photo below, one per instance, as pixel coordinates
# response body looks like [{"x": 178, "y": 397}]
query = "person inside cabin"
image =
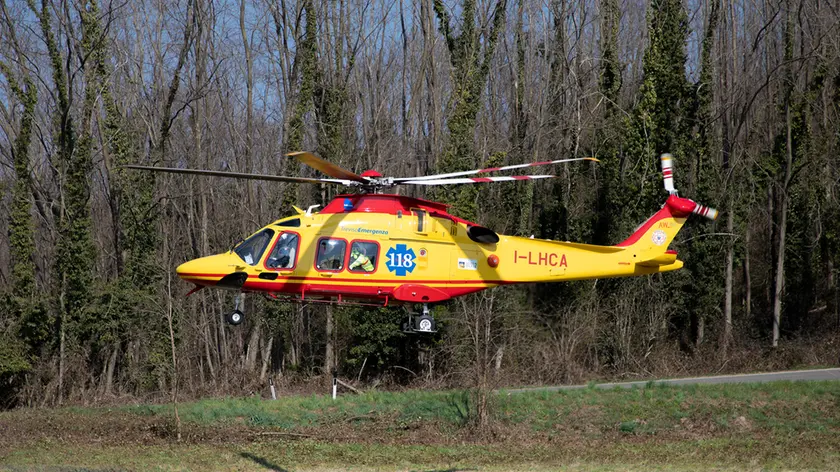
[
  {"x": 283, "y": 256},
  {"x": 360, "y": 259},
  {"x": 285, "y": 259},
  {"x": 331, "y": 254}
]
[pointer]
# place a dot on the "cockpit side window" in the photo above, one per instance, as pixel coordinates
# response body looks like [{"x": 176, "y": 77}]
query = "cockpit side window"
[
  {"x": 284, "y": 254},
  {"x": 251, "y": 250}
]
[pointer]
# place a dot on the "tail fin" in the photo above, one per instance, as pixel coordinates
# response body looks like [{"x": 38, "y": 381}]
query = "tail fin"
[{"x": 651, "y": 240}]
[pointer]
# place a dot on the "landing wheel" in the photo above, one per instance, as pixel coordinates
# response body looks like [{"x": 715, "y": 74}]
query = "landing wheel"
[
  {"x": 425, "y": 324},
  {"x": 235, "y": 318},
  {"x": 420, "y": 323}
]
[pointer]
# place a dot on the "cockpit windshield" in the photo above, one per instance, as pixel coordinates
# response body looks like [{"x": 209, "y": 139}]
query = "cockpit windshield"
[{"x": 251, "y": 250}]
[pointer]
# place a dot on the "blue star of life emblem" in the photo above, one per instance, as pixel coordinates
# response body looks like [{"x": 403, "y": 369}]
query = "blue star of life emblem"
[{"x": 400, "y": 260}]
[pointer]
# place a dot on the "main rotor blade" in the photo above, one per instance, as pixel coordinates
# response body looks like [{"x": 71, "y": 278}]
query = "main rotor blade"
[
  {"x": 327, "y": 168},
  {"x": 476, "y": 180},
  {"x": 240, "y": 175},
  {"x": 492, "y": 169}
]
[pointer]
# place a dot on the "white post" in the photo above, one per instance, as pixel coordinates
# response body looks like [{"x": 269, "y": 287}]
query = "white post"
[
  {"x": 335, "y": 386},
  {"x": 271, "y": 385}
]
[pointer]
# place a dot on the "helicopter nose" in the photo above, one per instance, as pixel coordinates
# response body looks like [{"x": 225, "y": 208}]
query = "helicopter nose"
[
  {"x": 188, "y": 269},
  {"x": 207, "y": 270}
]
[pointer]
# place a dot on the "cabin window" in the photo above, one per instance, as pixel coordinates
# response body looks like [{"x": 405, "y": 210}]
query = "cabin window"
[
  {"x": 330, "y": 255},
  {"x": 284, "y": 253},
  {"x": 421, "y": 220},
  {"x": 252, "y": 248},
  {"x": 363, "y": 256}
]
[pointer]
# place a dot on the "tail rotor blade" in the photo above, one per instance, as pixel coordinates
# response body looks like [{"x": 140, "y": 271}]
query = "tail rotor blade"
[
  {"x": 705, "y": 212},
  {"x": 668, "y": 172}
]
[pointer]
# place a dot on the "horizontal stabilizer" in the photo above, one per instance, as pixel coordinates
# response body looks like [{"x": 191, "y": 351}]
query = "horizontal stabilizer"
[{"x": 666, "y": 258}]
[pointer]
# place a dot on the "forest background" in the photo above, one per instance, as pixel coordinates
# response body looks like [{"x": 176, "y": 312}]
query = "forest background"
[{"x": 745, "y": 94}]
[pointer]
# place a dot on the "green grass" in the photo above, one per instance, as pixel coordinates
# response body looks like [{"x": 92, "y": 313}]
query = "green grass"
[
  {"x": 788, "y": 407},
  {"x": 771, "y": 426},
  {"x": 310, "y": 411},
  {"x": 780, "y": 406}
]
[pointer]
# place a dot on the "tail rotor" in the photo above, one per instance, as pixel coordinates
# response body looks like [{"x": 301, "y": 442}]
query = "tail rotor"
[{"x": 685, "y": 203}]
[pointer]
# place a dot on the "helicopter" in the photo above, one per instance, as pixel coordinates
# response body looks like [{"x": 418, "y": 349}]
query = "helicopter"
[{"x": 375, "y": 248}]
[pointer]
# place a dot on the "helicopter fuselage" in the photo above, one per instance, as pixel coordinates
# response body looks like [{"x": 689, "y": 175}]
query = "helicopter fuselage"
[{"x": 397, "y": 249}]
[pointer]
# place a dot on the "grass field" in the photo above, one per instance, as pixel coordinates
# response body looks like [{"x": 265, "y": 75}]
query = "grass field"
[{"x": 783, "y": 426}]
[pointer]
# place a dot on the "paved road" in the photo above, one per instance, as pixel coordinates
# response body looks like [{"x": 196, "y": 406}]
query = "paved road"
[{"x": 793, "y": 375}]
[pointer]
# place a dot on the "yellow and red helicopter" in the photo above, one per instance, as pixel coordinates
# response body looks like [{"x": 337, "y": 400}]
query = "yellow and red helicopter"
[{"x": 386, "y": 249}]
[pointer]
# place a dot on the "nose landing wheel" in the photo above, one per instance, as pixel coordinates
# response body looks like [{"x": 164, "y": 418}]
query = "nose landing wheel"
[
  {"x": 236, "y": 317},
  {"x": 422, "y": 323}
]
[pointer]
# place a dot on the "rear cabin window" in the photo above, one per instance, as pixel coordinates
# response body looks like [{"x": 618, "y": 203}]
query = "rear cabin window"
[
  {"x": 330, "y": 255},
  {"x": 421, "y": 220},
  {"x": 252, "y": 248},
  {"x": 363, "y": 256},
  {"x": 284, "y": 254}
]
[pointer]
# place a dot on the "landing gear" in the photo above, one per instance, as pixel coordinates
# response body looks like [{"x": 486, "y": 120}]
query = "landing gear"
[
  {"x": 420, "y": 323},
  {"x": 236, "y": 317}
]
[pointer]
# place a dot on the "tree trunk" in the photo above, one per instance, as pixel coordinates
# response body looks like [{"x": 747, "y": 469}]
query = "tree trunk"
[
  {"x": 62, "y": 337},
  {"x": 730, "y": 260},
  {"x": 747, "y": 277},
  {"x": 249, "y": 108},
  {"x": 266, "y": 358},
  {"x": 500, "y": 352},
  {"x": 783, "y": 196},
  {"x": 253, "y": 348},
  {"x": 222, "y": 346},
  {"x": 109, "y": 373},
  {"x": 174, "y": 359},
  {"x": 207, "y": 352},
  {"x": 329, "y": 355}
]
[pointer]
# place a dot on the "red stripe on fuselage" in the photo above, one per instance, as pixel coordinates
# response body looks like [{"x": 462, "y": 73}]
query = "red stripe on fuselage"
[
  {"x": 367, "y": 292},
  {"x": 363, "y": 281}
]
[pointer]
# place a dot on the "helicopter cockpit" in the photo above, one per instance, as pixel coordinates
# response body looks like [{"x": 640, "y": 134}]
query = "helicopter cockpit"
[{"x": 252, "y": 249}]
